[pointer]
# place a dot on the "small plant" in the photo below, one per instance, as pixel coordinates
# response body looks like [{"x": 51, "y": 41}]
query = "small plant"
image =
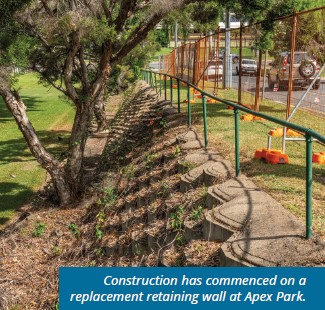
[
  {"x": 150, "y": 160},
  {"x": 177, "y": 152},
  {"x": 109, "y": 196},
  {"x": 176, "y": 219},
  {"x": 180, "y": 240},
  {"x": 100, "y": 220},
  {"x": 74, "y": 229},
  {"x": 164, "y": 190},
  {"x": 39, "y": 229},
  {"x": 163, "y": 123},
  {"x": 204, "y": 192},
  {"x": 100, "y": 216},
  {"x": 196, "y": 213},
  {"x": 187, "y": 166},
  {"x": 56, "y": 250},
  {"x": 129, "y": 171},
  {"x": 99, "y": 252},
  {"x": 99, "y": 232}
]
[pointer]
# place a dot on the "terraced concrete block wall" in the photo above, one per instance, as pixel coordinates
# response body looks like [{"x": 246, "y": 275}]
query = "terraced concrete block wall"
[{"x": 184, "y": 201}]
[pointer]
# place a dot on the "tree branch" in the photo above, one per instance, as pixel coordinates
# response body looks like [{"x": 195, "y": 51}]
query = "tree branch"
[
  {"x": 83, "y": 68},
  {"x": 138, "y": 35},
  {"x": 126, "y": 7},
  {"x": 18, "y": 110},
  {"x": 68, "y": 67}
]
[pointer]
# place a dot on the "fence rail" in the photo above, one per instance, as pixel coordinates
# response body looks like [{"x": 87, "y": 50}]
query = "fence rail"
[
  {"x": 151, "y": 78},
  {"x": 277, "y": 77}
]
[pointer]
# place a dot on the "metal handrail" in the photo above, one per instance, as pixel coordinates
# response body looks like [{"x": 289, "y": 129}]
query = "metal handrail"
[{"x": 309, "y": 133}]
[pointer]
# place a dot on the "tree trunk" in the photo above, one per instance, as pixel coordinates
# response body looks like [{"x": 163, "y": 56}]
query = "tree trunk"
[
  {"x": 100, "y": 113},
  {"x": 74, "y": 165},
  {"x": 48, "y": 162}
]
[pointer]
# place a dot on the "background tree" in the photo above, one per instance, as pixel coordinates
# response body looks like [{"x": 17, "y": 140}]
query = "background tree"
[{"x": 76, "y": 45}]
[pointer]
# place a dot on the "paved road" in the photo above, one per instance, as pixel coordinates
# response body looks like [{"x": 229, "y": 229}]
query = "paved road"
[{"x": 314, "y": 100}]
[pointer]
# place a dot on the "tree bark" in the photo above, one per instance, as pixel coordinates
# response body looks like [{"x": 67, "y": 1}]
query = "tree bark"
[
  {"x": 48, "y": 162},
  {"x": 100, "y": 113}
]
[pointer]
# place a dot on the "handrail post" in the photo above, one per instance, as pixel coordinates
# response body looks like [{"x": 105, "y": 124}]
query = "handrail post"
[
  {"x": 237, "y": 154},
  {"x": 178, "y": 96},
  {"x": 165, "y": 86},
  {"x": 150, "y": 79},
  {"x": 189, "y": 120},
  {"x": 204, "y": 103},
  {"x": 155, "y": 81},
  {"x": 171, "y": 91},
  {"x": 160, "y": 84},
  {"x": 309, "y": 184}
]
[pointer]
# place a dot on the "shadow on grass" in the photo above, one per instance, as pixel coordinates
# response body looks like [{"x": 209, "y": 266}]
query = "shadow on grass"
[
  {"x": 12, "y": 196},
  {"x": 15, "y": 150},
  {"x": 258, "y": 167},
  {"x": 32, "y": 104}
]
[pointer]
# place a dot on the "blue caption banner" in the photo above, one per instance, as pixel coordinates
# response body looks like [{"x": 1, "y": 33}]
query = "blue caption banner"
[{"x": 197, "y": 288}]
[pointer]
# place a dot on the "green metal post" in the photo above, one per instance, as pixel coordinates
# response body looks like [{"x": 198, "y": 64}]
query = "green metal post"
[
  {"x": 189, "y": 120},
  {"x": 151, "y": 80},
  {"x": 171, "y": 91},
  {"x": 179, "y": 96},
  {"x": 165, "y": 86},
  {"x": 160, "y": 84},
  {"x": 204, "y": 103},
  {"x": 309, "y": 184},
  {"x": 155, "y": 81},
  {"x": 237, "y": 156}
]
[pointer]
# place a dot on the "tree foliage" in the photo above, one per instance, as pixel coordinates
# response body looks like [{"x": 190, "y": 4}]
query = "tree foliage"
[{"x": 73, "y": 44}]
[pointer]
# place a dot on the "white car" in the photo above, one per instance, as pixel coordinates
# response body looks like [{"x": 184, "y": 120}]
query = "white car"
[
  {"x": 214, "y": 70},
  {"x": 248, "y": 66}
]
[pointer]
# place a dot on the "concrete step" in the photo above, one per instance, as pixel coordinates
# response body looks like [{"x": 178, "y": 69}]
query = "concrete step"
[
  {"x": 190, "y": 135},
  {"x": 221, "y": 222},
  {"x": 218, "y": 172},
  {"x": 208, "y": 173},
  {"x": 221, "y": 193}
]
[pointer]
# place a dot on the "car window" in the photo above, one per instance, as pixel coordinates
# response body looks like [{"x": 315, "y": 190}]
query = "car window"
[
  {"x": 248, "y": 62},
  {"x": 299, "y": 57}
]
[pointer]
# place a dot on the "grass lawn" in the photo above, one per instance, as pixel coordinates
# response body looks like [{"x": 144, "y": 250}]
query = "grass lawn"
[
  {"x": 20, "y": 174},
  {"x": 286, "y": 183},
  {"x": 163, "y": 51}
]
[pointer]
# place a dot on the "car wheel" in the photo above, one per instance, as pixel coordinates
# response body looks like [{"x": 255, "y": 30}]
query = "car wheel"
[
  {"x": 307, "y": 69},
  {"x": 282, "y": 85}
]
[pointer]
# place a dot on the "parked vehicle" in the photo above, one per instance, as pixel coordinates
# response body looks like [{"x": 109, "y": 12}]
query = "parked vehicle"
[
  {"x": 248, "y": 66},
  {"x": 214, "y": 70},
  {"x": 234, "y": 57},
  {"x": 305, "y": 69}
]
